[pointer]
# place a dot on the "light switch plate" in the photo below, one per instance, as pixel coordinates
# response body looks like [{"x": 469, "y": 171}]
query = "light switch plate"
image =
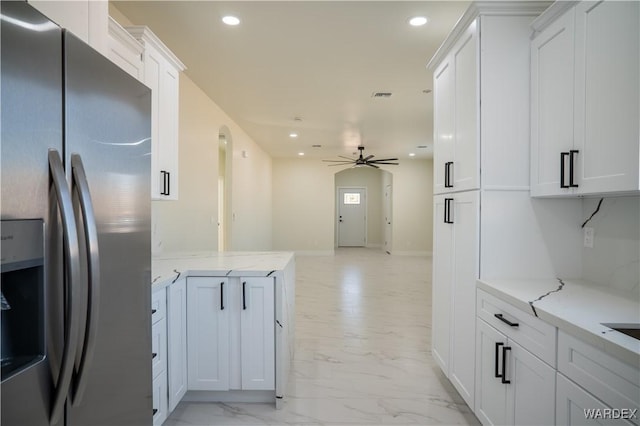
[{"x": 588, "y": 237}]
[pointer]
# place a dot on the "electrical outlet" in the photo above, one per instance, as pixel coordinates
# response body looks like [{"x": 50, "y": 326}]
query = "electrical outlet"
[{"x": 588, "y": 237}]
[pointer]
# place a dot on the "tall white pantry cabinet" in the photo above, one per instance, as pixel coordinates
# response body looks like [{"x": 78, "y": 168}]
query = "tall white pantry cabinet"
[{"x": 485, "y": 224}]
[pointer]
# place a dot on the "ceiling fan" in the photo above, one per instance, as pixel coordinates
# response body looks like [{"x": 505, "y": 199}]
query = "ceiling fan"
[{"x": 362, "y": 161}]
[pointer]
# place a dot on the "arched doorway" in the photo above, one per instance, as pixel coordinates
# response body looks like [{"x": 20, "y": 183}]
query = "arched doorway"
[{"x": 364, "y": 200}]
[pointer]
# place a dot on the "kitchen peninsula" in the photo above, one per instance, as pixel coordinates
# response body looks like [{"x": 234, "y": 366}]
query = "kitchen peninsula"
[{"x": 223, "y": 327}]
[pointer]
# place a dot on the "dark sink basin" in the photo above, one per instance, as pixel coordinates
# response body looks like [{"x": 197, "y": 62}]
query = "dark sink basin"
[{"x": 630, "y": 329}]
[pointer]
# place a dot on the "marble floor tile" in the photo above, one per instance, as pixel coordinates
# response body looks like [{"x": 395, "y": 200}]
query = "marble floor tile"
[{"x": 363, "y": 350}]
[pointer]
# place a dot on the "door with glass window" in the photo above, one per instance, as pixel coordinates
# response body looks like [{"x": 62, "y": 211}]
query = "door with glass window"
[{"x": 352, "y": 217}]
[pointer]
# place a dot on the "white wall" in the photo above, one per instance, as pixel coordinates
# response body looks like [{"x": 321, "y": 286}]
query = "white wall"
[
  {"x": 412, "y": 215},
  {"x": 614, "y": 259},
  {"x": 191, "y": 222},
  {"x": 304, "y": 206}
]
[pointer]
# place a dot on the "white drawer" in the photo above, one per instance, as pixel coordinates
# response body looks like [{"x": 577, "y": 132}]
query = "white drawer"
[
  {"x": 160, "y": 404},
  {"x": 612, "y": 381},
  {"x": 159, "y": 347},
  {"x": 533, "y": 334},
  {"x": 158, "y": 305}
]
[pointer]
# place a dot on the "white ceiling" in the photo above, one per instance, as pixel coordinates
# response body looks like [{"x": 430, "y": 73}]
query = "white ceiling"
[{"x": 320, "y": 61}]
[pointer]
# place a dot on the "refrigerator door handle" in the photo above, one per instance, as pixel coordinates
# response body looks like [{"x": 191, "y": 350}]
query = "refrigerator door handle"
[
  {"x": 72, "y": 266},
  {"x": 79, "y": 182}
]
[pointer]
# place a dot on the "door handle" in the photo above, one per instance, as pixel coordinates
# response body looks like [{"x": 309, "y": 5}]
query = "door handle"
[
  {"x": 497, "y": 359},
  {"x": 72, "y": 266},
  {"x": 447, "y": 210},
  {"x": 571, "y": 166},
  {"x": 79, "y": 181},
  {"x": 504, "y": 365},
  {"x": 244, "y": 297},
  {"x": 562, "y": 162},
  {"x": 222, "y": 296}
]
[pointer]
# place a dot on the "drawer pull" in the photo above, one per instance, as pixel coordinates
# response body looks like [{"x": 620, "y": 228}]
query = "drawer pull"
[
  {"x": 153, "y": 355},
  {"x": 155, "y": 410},
  {"x": 506, "y": 321},
  {"x": 153, "y": 311}
]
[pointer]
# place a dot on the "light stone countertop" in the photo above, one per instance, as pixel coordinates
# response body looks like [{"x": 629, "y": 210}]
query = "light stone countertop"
[
  {"x": 167, "y": 267},
  {"x": 578, "y": 308}
]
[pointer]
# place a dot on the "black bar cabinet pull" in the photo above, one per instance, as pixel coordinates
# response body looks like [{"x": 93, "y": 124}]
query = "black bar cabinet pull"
[
  {"x": 504, "y": 365},
  {"x": 497, "y": 359},
  {"x": 447, "y": 210},
  {"x": 447, "y": 174},
  {"x": 155, "y": 410},
  {"x": 168, "y": 183},
  {"x": 153, "y": 311},
  {"x": 562, "y": 155},
  {"x": 244, "y": 298},
  {"x": 571, "y": 158},
  {"x": 222, "y": 296},
  {"x": 506, "y": 321},
  {"x": 164, "y": 183},
  {"x": 153, "y": 355}
]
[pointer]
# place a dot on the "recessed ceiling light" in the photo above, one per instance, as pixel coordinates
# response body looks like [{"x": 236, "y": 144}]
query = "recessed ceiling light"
[
  {"x": 301, "y": 154},
  {"x": 412, "y": 154},
  {"x": 293, "y": 135},
  {"x": 417, "y": 21},
  {"x": 230, "y": 20}
]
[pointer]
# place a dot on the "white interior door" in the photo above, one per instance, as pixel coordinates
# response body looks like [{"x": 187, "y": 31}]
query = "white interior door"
[
  {"x": 352, "y": 222},
  {"x": 387, "y": 218}
]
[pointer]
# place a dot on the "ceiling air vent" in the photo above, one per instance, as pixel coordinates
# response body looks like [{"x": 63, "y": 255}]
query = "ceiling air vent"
[
  {"x": 381, "y": 95},
  {"x": 316, "y": 146}
]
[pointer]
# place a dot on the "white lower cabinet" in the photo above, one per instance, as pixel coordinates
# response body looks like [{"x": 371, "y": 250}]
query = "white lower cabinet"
[
  {"x": 159, "y": 355},
  {"x": 230, "y": 333},
  {"x": 177, "y": 341},
  {"x": 513, "y": 386},
  {"x": 576, "y": 406}
]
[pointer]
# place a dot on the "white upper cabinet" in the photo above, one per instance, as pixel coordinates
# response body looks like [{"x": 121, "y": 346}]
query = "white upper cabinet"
[
  {"x": 456, "y": 148},
  {"x": 161, "y": 73},
  {"x": 585, "y": 86},
  {"x": 86, "y": 19},
  {"x": 125, "y": 51}
]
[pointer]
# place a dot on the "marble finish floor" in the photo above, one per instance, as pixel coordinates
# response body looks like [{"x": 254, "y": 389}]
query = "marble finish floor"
[{"x": 363, "y": 327}]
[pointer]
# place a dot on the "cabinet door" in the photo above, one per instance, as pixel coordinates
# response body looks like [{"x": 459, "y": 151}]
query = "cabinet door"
[
  {"x": 491, "y": 393},
  {"x": 530, "y": 399},
  {"x": 152, "y": 72},
  {"x": 125, "y": 51},
  {"x": 552, "y": 83},
  {"x": 607, "y": 96},
  {"x": 159, "y": 348},
  {"x": 207, "y": 333},
  {"x": 465, "y": 216},
  {"x": 177, "y": 341},
  {"x": 159, "y": 399},
  {"x": 466, "y": 166},
  {"x": 574, "y": 405},
  {"x": 168, "y": 143},
  {"x": 257, "y": 333},
  {"x": 441, "y": 283},
  {"x": 443, "y": 126}
]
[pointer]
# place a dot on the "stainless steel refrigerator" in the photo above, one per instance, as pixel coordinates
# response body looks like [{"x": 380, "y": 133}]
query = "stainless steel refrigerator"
[{"x": 75, "y": 210}]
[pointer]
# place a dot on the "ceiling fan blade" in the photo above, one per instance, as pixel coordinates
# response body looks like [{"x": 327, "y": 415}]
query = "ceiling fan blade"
[
  {"x": 385, "y": 163},
  {"x": 338, "y": 161},
  {"x": 348, "y": 158},
  {"x": 368, "y": 157},
  {"x": 383, "y": 159},
  {"x": 339, "y": 164},
  {"x": 372, "y": 165}
]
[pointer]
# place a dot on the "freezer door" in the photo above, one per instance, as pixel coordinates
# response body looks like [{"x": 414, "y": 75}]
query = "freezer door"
[
  {"x": 31, "y": 123},
  {"x": 108, "y": 129}
]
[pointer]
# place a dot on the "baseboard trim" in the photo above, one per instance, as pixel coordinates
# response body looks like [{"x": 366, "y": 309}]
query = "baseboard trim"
[
  {"x": 315, "y": 252},
  {"x": 421, "y": 253}
]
